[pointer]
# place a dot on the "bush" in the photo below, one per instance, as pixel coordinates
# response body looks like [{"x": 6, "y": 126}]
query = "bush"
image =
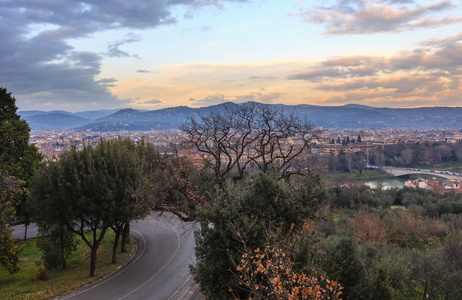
[
  {"x": 41, "y": 274},
  {"x": 251, "y": 208}
]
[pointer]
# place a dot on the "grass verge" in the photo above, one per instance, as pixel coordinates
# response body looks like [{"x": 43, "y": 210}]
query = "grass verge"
[
  {"x": 22, "y": 286},
  {"x": 355, "y": 176}
]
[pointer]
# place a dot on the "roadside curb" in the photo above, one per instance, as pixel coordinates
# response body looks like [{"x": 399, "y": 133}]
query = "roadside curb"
[
  {"x": 194, "y": 293},
  {"x": 190, "y": 292}
]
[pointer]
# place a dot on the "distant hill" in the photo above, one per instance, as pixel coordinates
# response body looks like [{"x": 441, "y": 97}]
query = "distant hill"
[
  {"x": 55, "y": 121},
  {"x": 347, "y": 116},
  {"x": 59, "y": 120},
  {"x": 95, "y": 114}
]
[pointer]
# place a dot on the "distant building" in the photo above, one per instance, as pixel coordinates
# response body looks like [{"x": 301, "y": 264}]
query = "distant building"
[{"x": 436, "y": 185}]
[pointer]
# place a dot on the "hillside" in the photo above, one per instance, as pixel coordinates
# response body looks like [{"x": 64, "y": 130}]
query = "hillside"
[{"x": 347, "y": 116}]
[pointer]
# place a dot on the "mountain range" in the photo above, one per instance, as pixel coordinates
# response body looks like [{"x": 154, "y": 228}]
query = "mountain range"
[{"x": 346, "y": 116}]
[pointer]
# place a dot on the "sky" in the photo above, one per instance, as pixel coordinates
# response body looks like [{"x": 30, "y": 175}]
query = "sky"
[{"x": 151, "y": 54}]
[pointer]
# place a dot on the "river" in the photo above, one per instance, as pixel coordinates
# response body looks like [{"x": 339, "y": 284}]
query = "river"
[{"x": 386, "y": 183}]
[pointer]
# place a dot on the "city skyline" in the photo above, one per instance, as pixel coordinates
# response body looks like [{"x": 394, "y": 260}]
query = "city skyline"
[{"x": 88, "y": 55}]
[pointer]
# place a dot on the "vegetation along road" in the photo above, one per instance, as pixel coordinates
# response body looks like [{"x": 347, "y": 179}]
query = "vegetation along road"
[{"x": 159, "y": 269}]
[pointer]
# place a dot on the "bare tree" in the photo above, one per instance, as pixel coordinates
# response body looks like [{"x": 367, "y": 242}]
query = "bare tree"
[
  {"x": 379, "y": 157},
  {"x": 458, "y": 151},
  {"x": 444, "y": 152},
  {"x": 407, "y": 155},
  {"x": 251, "y": 134},
  {"x": 360, "y": 161}
]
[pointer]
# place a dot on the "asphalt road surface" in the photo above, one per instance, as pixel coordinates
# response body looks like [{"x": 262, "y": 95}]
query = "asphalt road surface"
[
  {"x": 18, "y": 233},
  {"x": 159, "y": 270}
]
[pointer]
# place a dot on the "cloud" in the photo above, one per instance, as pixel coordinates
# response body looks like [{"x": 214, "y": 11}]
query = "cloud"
[
  {"x": 432, "y": 74},
  {"x": 218, "y": 98},
  {"x": 372, "y": 16},
  {"x": 114, "y": 51},
  {"x": 259, "y": 97},
  {"x": 143, "y": 71},
  {"x": 262, "y": 77},
  {"x": 345, "y": 67},
  {"x": 38, "y": 63},
  {"x": 214, "y": 83},
  {"x": 153, "y": 101},
  {"x": 209, "y": 100}
]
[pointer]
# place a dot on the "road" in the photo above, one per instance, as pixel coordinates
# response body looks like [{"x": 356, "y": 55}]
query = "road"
[
  {"x": 395, "y": 171},
  {"x": 159, "y": 269}
]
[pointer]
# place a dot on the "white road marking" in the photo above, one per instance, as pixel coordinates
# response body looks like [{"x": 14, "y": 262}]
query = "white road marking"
[
  {"x": 180, "y": 287},
  {"x": 146, "y": 282},
  {"x": 111, "y": 277}
]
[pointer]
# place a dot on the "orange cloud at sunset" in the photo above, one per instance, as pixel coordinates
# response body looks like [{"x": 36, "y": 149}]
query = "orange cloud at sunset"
[{"x": 426, "y": 76}]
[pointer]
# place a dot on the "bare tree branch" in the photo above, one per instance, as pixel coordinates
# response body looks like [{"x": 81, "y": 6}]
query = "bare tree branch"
[{"x": 251, "y": 134}]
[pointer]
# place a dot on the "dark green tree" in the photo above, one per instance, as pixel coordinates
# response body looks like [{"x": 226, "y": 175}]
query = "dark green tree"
[
  {"x": 92, "y": 190},
  {"x": 258, "y": 205},
  {"x": 71, "y": 192},
  {"x": 17, "y": 157},
  {"x": 345, "y": 265},
  {"x": 56, "y": 243},
  {"x": 128, "y": 165},
  {"x": 10, "y": 189}
]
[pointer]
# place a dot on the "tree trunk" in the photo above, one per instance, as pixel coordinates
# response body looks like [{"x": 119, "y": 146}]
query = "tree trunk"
[
  {"x": 125, "y": 237},
  {"x": 62, "y": 249},
  {"x": 127, "y": 233},
  {"x": 116, "y": 244},
  {"x": 93, "y": 257},
  {"x": 425, "y": 290},
  {"x": 25, "y": 230},
  {"x": 26, "y": 225},
  {"x": 52, "y": 282}
]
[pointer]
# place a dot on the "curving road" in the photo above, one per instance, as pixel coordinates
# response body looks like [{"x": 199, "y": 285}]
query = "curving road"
[{"x": 159, "y": 269}]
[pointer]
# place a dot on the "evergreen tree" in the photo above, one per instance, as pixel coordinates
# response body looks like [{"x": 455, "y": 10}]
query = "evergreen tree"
[
  {"x": 10, "y": 188},
  {"x": 17, "y": 157},
  {"x": 251, "y": 208},
  {"x": 56, "y": 243},
  {"x": 93, "y": 190}
]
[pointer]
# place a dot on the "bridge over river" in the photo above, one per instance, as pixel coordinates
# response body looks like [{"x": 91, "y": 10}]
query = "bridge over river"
[{"x": 411, "y": 171}]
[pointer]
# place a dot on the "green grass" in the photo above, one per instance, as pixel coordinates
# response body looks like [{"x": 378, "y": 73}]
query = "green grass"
[
  {"x": 355, "y": 176},
  {"x": 22, "y": 286},
  {"x": 454, "y": 166}
]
